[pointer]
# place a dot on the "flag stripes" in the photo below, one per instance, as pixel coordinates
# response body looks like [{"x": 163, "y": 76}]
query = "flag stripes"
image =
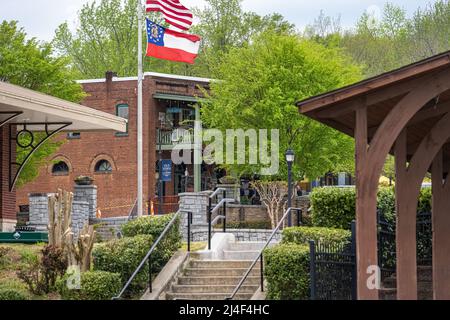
[{"x": 173, "y": 11}]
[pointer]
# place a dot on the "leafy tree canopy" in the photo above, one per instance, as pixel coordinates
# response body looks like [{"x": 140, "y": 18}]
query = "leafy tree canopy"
[
  {"x": 261, "y": 81},
  {"x": 32, "y": 64}
]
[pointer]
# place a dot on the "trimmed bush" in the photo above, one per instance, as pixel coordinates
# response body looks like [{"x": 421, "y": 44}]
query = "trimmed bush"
[
  {"x": 302, "y": 235},
  {"x": 287, "y": 272},
  {"x": 153, "y": 226},
  {"x": 124, "y": 256},
  {"x": 335, "y": 207},
  {"x": 96, "y": 285},
  {"x": 12, "y": 294}
]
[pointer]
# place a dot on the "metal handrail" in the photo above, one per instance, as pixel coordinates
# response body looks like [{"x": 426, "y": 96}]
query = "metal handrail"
[
  {"x": 133, "y": 210},
  {"x": 148, "y": 255},
  {"x": 220, "y": 204},
  {"x": 216, "y": 192},
  {"x": 260, "y": 255}
]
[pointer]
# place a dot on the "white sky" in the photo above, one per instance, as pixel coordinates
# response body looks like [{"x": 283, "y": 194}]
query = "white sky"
[{"x": 40, "y": 18}]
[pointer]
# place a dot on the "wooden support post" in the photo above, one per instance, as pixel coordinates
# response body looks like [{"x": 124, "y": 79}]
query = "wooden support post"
[
  {"x": 441, "y": 231},
  {"x": 406, "y": 225},
  {"x": 366, "y": 218}
]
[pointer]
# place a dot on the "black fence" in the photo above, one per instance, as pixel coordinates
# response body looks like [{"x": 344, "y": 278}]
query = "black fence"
[
  {"x": 333, "y": 270},
  {"x": 333, "y": 266}
]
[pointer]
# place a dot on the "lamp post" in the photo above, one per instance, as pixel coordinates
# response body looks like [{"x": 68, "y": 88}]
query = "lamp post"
[{"x": 290, "y": 158}]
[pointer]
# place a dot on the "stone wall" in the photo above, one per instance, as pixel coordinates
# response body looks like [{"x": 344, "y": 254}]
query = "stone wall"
[
  {"x": 108, "y": 228},
  {"x": 242, "y": 235},
  {"x": 244, "y": 213}
]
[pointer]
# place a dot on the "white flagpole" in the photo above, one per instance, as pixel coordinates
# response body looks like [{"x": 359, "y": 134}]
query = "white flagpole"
[{"x": 140, "y": 167}]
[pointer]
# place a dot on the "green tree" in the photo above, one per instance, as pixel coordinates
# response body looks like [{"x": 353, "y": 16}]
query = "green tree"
[
  {"x": 261, "y": 81},
  {"x": 32, "y": 64}
]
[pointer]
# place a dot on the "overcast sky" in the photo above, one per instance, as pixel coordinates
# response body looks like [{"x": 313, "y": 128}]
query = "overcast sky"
[{"x": 40, "y": 18}]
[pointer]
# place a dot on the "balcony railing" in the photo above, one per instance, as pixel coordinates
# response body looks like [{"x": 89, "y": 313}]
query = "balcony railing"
[{"x": 169, "y": 137}]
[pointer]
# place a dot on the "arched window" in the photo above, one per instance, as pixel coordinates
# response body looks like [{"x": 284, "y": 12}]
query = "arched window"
[
  {"x": 103, "y": 166},
  {"x": 60, "y": 168}
]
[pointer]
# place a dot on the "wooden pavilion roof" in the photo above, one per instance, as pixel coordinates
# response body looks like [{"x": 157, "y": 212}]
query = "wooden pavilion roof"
[{"x": 381, "y": 93}]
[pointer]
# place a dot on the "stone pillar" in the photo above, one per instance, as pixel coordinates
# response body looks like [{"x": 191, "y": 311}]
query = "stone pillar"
[
  {"x": 39, "y": 211},
  {"x": 87, "y": 194},
  {"x": 197, "y": 203},
  {"x": 233, "y": 192},
  {"x": 80, "y": 216}
]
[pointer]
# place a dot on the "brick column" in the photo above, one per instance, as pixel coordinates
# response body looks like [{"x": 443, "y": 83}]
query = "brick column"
[{"x": 8, "y": 217}]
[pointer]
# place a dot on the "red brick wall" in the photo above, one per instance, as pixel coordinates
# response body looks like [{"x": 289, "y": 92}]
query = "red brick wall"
[
  {"x": 116, "y": 191},
  {"x": 7, "y": 199}
]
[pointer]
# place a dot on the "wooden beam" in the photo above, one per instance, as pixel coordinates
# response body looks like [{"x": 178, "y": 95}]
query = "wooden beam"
[
  {"x": 366, "y": 221},
  {"x": 375, "y": 83},
  {"x": 406, "y": 225},
  {"x": 441, "y": 231}
]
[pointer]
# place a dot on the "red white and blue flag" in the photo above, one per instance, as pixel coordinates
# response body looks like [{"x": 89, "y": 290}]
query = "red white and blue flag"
[
  {"x": 174, "y": 12},
  {"x": 171, "y": 45}
]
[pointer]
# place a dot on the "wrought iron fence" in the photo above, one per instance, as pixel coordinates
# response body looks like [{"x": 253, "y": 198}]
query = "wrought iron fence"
[
  {"x": 387, "y": 253},
  {"x": 424, "y": 239},
  {"x": 333, "y": 270}
]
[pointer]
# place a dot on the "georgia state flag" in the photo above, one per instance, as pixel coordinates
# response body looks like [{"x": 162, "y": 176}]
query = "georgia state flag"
[{"x": 171, "y": 45}]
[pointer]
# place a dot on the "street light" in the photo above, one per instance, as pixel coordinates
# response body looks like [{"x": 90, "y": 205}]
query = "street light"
[{"x": 290, "y": 158}]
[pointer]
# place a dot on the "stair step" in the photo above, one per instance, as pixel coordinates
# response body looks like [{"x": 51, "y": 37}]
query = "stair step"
[
  {"x": 209, "y": 281},
  {"x": 246, "y": 246},
  {"x": 213, "y": 289},
  {"x": 219, "y": 271},
  {"x": 220, "y": 264},
  {"x": 206, "y": 296},
  {"x": 240, "y": 255}
]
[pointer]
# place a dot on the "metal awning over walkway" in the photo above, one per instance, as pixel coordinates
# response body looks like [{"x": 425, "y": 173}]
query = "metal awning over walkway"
[
  {"x": 20, "y": 105},
  {"x": 27, "y": 112}
]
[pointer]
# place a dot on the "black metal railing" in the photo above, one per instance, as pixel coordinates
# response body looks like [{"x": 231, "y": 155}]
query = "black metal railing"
[
  {"x": 148, "y": 257},
  {"x": 424, "y": 239},
  {"x": 387, "y": 254},
  {"x": 333, "y": 269},
  {"x": 260, "y": 257},
  {"x": 219, "y": 206}
]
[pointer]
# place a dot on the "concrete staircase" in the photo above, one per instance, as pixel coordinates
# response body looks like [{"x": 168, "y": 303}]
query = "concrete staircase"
[
  {"x": 424, "y": 285},
  {"x": 215, "y": 279}
]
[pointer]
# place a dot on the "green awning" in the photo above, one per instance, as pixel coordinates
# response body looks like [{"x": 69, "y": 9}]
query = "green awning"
[{"x": 175, "y": 97}]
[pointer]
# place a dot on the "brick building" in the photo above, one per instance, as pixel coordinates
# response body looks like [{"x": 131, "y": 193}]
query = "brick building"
[
  {"x": 24, "y": 112},
  {"x": 110, "y": 158}
]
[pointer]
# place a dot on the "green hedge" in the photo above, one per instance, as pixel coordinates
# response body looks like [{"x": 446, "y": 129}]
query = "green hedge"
[
  {"x": 302, "y": 235},
  {"x": 95, "y": 285},
  {"x": 335, "y": 207},
  {"x": 154, "y": 226},
  {"x": 287, "y": 272},
  {"x": 124, "y": 256},
  {"x": 12, "y": 294}
]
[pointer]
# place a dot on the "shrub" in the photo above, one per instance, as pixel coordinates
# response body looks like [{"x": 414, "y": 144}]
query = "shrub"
[
  {"x": 95, "y": 285},
  {"x": 154, "y": 226},
  {"x": 124, "y": 256},
  {"x": 287, "y": 272},
  {"x": 302, "y": 235},
  {"x": 12, "y": 294},
  {"x": 333, "y": 207},
  {"x": 40, "y": 275}
]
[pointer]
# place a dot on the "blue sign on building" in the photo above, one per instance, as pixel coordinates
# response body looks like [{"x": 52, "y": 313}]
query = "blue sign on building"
[{"x": 166, "y": 170}]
